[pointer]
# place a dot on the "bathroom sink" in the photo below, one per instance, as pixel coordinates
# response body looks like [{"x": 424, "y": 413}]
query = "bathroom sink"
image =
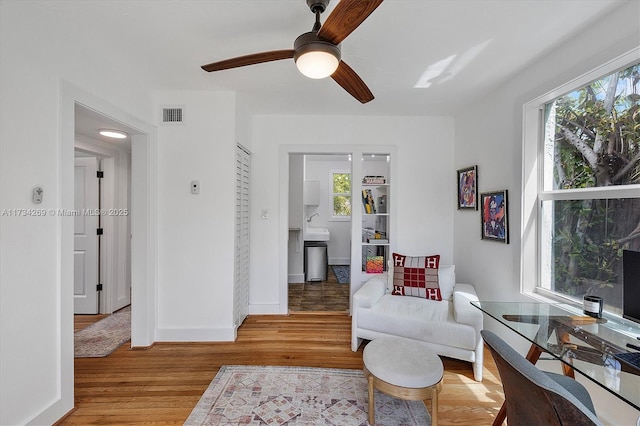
[{"x": 316, "y": 234}]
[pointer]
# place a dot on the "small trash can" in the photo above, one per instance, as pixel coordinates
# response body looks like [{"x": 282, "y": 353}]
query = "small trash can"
[{"x": 315, "y": 261}]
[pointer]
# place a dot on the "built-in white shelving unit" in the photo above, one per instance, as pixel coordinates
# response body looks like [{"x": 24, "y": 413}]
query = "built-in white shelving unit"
[{"x": 375, "y": 192}]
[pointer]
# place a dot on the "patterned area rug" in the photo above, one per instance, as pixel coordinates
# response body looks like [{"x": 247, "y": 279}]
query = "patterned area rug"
[
  {"x": 295, "y": 396},
  {"x": 105, "y": 336},
  {"x": 343, "y": 273}
]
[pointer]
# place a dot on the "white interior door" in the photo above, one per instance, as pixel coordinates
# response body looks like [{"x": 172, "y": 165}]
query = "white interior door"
[{"x": 85, "y": 254}]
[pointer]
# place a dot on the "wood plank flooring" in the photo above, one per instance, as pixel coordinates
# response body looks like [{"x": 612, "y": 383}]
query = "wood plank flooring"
[
  {"x": 162, "y": 384},
  {"x": 83, "y": 321},
  {"x": 323, "y": 296}
]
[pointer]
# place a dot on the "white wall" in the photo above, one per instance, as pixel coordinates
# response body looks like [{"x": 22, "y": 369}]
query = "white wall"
[
  {"x": 489, "y": 134},
  {"x": 424, "y": 158},
  {"x": 196, "y": 232},
  {"x": 242, "y": 126}
]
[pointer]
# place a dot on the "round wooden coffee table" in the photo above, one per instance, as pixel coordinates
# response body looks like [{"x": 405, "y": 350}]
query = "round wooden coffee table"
[{"x": 405, "y": 369}]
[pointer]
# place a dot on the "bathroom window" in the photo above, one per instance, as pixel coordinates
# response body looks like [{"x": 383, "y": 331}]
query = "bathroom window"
[{"x": 341, "y": 194}]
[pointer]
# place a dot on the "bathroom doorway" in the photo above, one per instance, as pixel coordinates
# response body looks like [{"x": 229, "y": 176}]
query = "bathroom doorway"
[{"x": 319, "y": 216}]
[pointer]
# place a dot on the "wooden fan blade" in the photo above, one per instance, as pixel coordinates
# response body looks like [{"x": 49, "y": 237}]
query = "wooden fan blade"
[
  {"x": 352, "y": 83},
  {"x": 345, "y": 18},
  {"x": 256, "y": 58}
]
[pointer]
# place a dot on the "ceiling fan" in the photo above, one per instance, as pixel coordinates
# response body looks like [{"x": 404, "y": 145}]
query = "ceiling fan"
[{"x": 317, "y": 53}]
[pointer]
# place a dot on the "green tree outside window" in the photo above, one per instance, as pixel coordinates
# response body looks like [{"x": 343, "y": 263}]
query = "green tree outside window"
[
  {"x": 341, "y": 194},
  {"x": 592, "y": 140}
]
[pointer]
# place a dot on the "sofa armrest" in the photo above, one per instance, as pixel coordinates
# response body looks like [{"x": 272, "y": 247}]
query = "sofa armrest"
[
  {"x": 370, "y": 292},
  {"x": 463, "y": 311}
]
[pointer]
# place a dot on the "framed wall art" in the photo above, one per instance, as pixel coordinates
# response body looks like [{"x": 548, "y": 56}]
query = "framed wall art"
[
  {"x": 494, "y": 217},
  {"x": 468, "y": 188}
]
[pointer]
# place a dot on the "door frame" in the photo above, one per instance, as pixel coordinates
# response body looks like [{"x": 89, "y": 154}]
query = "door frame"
[
  {"x": 143, "y": 229},
  {"x": 356, "y": 151},
  {"x": 284, "y": 155}
]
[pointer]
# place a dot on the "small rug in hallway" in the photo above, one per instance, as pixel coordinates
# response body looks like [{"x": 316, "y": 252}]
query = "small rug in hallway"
[
  {"x": 105, "y": 336},
  {"x": 342, "y": 273},
  {"x": 295, "y": 396}
]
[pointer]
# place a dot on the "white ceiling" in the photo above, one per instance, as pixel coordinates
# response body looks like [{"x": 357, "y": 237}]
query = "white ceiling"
[
  {"x": 88, "y": 123},
  {"x": 458, "y": 50}
]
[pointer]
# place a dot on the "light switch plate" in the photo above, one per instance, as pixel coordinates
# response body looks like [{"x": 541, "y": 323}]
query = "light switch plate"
[{"x": 195, "y": 186}]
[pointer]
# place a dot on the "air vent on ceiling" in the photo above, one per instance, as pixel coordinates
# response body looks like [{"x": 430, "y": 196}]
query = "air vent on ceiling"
[{"x": 172, "y": 115}]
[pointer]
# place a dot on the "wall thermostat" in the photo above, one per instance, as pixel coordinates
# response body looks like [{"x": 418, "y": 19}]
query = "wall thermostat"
[
  {"x": 195, "y": 186},
  {"x": 37, "y": 195}
]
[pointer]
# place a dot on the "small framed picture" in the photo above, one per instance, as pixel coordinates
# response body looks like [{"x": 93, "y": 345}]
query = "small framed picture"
[
  {"x": 468, "y": 188},
  {"x": 495, "y": 220}
]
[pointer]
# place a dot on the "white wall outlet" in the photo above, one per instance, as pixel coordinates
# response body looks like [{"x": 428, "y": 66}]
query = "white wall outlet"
[
  {"x": 265, "y": 213},
  {"x": 37, "y": 195},
  {"x": 195, "y": 186}
]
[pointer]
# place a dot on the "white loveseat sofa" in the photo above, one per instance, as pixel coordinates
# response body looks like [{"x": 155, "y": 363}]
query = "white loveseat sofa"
[{"x": 451, "y": 327}]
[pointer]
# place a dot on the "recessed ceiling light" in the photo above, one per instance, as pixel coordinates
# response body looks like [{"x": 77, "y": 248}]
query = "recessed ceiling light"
[{"x": 115, "y": 134}]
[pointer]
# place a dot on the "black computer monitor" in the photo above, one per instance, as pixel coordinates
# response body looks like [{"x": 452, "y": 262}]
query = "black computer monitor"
[{"x": 631, "y": 285}]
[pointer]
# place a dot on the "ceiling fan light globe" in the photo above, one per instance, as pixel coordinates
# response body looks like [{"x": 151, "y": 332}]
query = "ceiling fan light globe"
[
  {"x": 315, "y": 57},
  {"x": 317, "y": 64}
]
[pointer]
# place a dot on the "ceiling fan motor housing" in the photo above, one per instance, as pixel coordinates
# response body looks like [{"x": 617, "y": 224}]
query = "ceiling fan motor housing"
[
  {"x": 310, "y": 41},
  {"x": 317, "y": 5}
]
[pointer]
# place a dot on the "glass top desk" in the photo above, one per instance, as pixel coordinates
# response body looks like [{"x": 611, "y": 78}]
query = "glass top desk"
[{"x": 582, "y": 343}]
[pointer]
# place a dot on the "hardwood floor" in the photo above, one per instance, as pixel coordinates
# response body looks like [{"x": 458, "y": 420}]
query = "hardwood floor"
[
  {"x": 162, "y": 384},
  {"x": 83, "y": 321},
  {"x": 323, "y": 296}
]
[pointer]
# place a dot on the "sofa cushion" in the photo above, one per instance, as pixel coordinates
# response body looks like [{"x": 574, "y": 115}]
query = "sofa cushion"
[
  {"x": 419, "y": 319},
  {"x": 416, "y": 276}
]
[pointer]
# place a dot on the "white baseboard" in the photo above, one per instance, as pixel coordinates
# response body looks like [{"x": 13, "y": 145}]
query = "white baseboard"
[
  {"x": 295, "y": 278},
  {"x": 52, "y": 413},
  {"x": 195, "y": 335}
]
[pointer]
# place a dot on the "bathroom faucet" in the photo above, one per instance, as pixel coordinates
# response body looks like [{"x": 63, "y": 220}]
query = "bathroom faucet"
[{"x": 311, "y": 217}]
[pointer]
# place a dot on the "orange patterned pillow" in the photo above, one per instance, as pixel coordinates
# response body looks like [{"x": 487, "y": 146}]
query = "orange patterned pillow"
[{"x": 416, "y": 276}]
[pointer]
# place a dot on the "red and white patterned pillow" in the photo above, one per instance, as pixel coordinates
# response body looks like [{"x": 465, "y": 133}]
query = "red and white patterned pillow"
[{"x": 416, "y": 276}]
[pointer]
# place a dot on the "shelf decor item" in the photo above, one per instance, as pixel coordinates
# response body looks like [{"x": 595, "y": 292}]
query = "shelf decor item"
[
  {"x": 374, "y": 180},
  {"x": 467, "y": 183},
  {"x": 377, "y": 241},
  {"x": 367, "y": 201},
  {"x": 375, "y": 264},
  {"x": 494, "y": 217}
]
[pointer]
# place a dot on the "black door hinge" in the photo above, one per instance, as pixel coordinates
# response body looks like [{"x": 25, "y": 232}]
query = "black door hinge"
[
  {"x": 99, "y": 231},
  {"x": 99, "y": 287},
  {"x": 100, "y": 174}
]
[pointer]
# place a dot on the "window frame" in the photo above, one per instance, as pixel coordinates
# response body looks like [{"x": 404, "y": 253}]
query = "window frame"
[
  {"x": 533, "y": 192},
  {"x": 332, "y": 194}
]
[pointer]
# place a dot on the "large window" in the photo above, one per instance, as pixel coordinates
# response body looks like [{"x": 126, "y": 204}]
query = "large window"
[
  {"x": 586, "y": 207},
  {"x": 341, "y": 194}
]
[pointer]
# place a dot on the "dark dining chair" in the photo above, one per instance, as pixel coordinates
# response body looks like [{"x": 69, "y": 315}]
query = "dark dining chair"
[{"x": 536, "y": 397}]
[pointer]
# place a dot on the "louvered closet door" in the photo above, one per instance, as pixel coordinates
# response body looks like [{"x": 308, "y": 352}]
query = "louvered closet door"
[{"x": 241, "y": 273}]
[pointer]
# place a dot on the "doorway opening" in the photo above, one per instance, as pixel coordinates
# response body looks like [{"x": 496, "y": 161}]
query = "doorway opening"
[
  {"x": 102, "y": 229},
  {"x": 143, "y": 236},
  {"x": 319, "y": 248},
  {"x": 102, "y": 224}
]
